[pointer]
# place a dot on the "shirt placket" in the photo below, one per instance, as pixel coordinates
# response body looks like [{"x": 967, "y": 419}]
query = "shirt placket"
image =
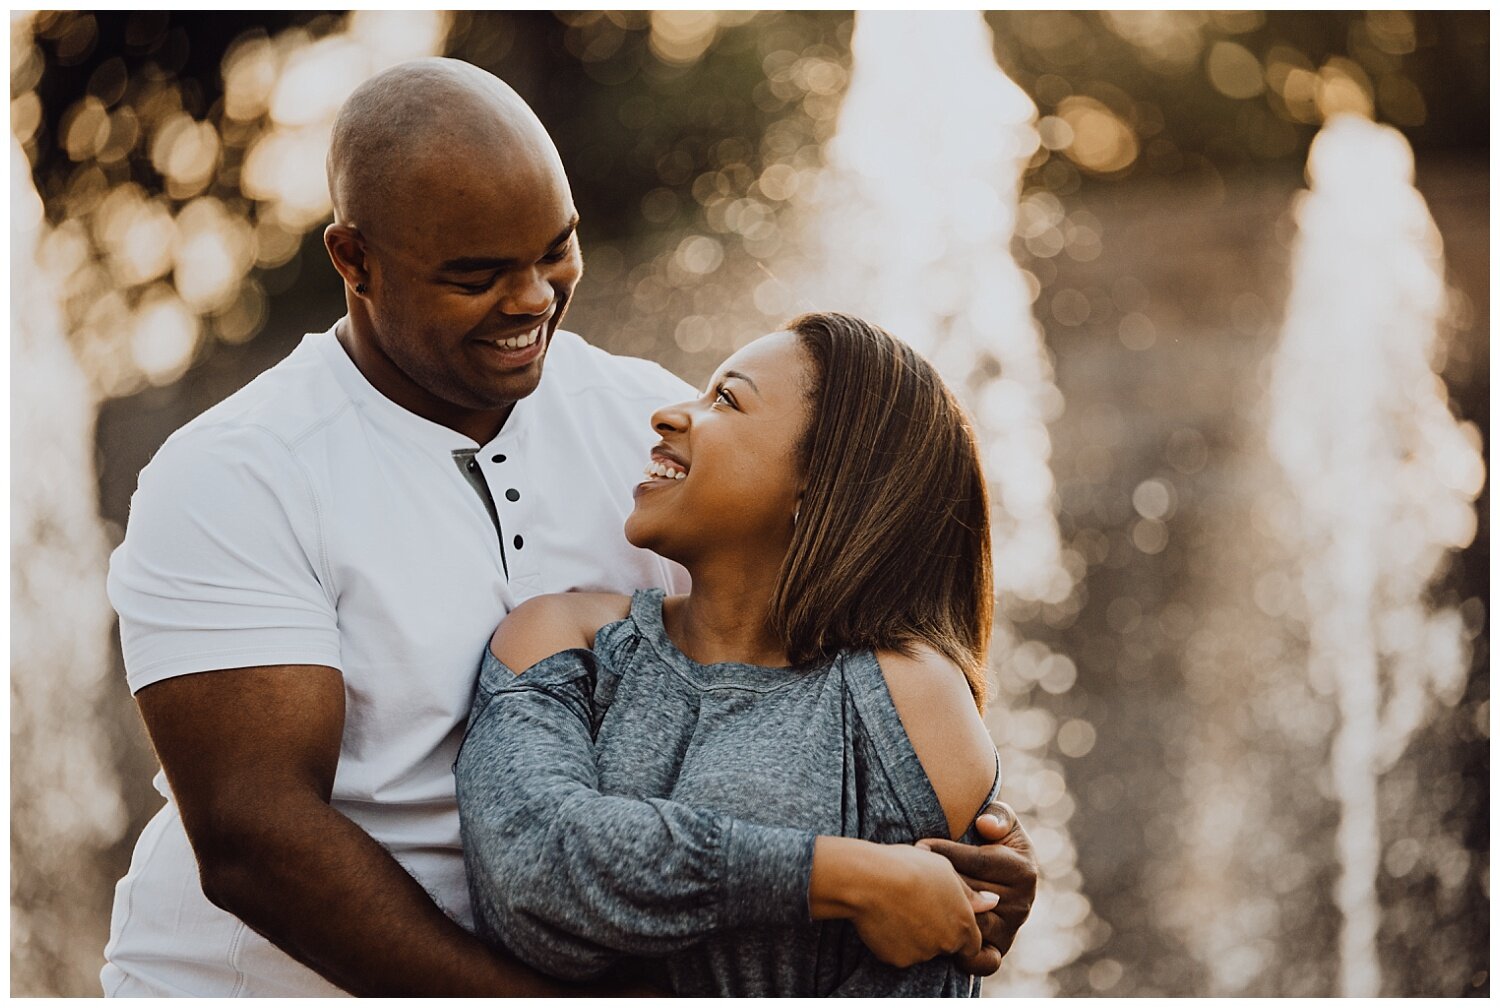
[
  {"x": 468, "y": 464},
  {"x": 503, "y": 469}
]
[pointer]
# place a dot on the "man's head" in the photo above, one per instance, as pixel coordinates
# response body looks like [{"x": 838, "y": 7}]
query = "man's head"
[{"x": 454, "y": 233}]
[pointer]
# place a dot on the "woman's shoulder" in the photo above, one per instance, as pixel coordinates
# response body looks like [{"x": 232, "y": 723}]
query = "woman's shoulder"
[
  {"x": 937, "y": 710},
  {"x": 542, "y": 626}
]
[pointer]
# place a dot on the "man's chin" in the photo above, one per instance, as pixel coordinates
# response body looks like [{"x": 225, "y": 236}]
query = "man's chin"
[{"x": 511, "y": 386}]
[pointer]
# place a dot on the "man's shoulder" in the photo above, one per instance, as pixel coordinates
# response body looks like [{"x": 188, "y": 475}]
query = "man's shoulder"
[
  {"x": 281, "y": 405},
  {"x": 589, "y": 369}
]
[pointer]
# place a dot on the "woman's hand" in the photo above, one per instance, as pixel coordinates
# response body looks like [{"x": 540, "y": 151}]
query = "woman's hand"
[{"x": 908, "y": 905}]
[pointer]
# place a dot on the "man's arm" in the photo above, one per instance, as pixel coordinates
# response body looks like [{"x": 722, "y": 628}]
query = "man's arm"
[
  {"x": 1005, "y": 866},
  {"x": 250, "y": 755}
]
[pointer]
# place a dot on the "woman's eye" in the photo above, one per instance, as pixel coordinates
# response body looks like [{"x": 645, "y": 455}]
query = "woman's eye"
[{"x": 724, "y": 397}]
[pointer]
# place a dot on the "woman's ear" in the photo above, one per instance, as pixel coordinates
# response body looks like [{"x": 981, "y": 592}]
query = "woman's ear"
[{"x": 346, "y": 249}]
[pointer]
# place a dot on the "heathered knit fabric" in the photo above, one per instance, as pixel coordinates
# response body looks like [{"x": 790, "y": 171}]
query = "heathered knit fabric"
[{"x": 630, "y": 807}]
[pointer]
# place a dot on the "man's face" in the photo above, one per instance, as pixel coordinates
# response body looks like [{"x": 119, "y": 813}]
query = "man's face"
[{"x": 470, "y": 271}]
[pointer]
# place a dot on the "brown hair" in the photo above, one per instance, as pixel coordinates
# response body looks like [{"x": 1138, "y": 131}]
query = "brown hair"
[{"x": 891, "y": 544}]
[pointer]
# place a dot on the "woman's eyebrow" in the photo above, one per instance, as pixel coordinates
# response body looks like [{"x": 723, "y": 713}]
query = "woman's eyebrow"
[{"x": 744, "y": 378}]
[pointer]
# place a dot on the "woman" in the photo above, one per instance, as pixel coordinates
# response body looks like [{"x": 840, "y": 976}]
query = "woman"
[{"x": 723, "y": 788}]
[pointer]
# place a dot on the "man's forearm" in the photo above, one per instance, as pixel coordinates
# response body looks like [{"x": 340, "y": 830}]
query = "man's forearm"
[{"x": 322, "y": 890}]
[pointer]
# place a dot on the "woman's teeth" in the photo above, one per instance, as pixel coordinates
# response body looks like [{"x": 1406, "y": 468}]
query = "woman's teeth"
[
  {"x": 517, "y": 342},
  {"x": 664, "y": 471}
]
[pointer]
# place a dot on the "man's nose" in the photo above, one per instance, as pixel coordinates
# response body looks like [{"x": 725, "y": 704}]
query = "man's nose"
[{"x": 527, "y": 294}]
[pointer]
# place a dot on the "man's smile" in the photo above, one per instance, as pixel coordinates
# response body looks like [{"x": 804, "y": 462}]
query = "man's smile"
[{"x": 517, "y": 350}]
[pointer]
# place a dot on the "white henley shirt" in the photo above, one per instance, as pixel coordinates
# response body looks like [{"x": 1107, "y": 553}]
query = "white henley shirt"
[{"x": 307, "y": 519}]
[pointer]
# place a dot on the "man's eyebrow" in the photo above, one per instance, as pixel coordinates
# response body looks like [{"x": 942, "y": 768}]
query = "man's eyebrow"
[
  {"x": 474, "y": 264},
  {"x": 744, "y": 378}
]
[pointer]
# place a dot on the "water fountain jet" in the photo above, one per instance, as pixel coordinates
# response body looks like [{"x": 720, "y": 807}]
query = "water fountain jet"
[
  {"x": 910, "y": 226},
  {"x": 1383, "y": 476}
]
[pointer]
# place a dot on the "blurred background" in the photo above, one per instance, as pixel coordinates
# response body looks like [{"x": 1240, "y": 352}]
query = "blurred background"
[{"x": 1213, "y": 285}]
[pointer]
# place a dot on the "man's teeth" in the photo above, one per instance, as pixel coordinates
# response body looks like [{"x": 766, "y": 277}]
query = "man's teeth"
[
  {"x": 664, "y": 471},
  {"x": 517, "y": 342}
]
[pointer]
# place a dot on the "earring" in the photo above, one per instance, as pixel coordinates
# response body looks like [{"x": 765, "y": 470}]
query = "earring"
[
  {"x": 795, "y": 512},
  {"x": 360, "y": 288}
]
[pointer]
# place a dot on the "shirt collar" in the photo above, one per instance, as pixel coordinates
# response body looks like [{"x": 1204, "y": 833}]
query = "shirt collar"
[{"x": 398, "y": 418}]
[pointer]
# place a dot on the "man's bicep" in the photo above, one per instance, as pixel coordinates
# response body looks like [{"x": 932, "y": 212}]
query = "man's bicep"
[
  {"x": 233, "y": 741},
  {"x": 223, "y": 563}
]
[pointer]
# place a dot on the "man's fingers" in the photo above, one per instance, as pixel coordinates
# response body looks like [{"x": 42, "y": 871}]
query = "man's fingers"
[
  {"x": 1025, "y": 891},
  {"x": 999, "y": 928},
  {"x": 1013, "y": 899},
  {"x": 994, "y": 823},
  {"x": 998, "y": 824},
  {"x": 983, "y": 964},
  {"x": 1003, "y": 864},
  {"x": 993, "y": 863}
]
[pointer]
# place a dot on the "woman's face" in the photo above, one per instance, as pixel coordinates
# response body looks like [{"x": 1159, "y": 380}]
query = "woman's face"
[{"x": 725, "y": 475}]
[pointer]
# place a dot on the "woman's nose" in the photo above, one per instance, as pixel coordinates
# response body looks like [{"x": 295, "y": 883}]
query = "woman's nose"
[{"x": 671, "y": 419}]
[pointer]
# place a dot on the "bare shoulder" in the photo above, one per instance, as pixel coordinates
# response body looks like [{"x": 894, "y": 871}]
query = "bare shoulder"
[
  {"x": 937, "y": 710},
  {"x": 541, "y": 627}
]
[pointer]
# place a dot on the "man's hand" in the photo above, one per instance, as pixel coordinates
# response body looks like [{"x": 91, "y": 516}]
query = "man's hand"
[{"x": 1005, "y": 866}]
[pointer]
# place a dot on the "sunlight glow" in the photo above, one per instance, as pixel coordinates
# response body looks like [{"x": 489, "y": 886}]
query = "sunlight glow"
[{"x": 913, "y": 221}]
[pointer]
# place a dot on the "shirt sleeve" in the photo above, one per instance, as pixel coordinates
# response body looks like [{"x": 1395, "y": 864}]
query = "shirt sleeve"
[
  {"x": 570, "y": 879},
  {"x": 222, "y": 563}
]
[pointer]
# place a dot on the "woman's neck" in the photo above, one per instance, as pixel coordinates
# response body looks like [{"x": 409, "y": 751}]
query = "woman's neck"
[{"x": 726, "y": 616}]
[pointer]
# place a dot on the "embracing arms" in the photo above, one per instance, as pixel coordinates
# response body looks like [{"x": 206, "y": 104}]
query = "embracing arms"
[
  {"x": 573, "y": 878},
  {"x": 230, "y": 632}
]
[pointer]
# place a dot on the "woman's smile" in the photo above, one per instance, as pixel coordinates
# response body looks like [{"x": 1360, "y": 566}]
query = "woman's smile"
[{"x": 664, "y": 469}]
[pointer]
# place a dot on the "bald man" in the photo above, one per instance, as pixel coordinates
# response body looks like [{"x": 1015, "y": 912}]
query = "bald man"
[{"x": 313, "y": 567}]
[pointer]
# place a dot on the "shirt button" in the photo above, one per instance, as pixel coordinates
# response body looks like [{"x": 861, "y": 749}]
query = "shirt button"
[
  {"x": 498, "y": 458},
  {"x": 512, "y": 495},
  {"x": 473, "y": 465},
  {"x": 519, "y": 542}
]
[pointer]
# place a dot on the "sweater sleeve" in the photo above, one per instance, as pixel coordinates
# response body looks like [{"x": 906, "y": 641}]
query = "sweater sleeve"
[{"x": 572, "y": 880}]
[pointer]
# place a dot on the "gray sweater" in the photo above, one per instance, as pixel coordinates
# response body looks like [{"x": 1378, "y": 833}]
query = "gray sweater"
[{"x": 629, "y": 807}]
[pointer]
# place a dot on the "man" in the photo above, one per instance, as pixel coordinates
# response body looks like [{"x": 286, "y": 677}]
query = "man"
[{"x": 313, "y": 566}]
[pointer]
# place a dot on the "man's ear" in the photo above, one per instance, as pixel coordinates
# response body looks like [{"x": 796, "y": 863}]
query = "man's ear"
[{"x": 346, "y": 248}]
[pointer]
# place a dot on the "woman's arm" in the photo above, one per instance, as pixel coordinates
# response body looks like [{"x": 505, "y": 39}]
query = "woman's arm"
[
  {"x": 951, "y": 742},
  {"x": 571, "y": 879},
  {"x": 932, "y": 698}
]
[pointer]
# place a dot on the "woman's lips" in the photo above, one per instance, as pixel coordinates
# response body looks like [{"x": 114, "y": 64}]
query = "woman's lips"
[{"x": 664, "y": 469}]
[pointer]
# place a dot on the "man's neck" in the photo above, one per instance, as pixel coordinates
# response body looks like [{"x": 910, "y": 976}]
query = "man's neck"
[{"x": 480, "y": 426}]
